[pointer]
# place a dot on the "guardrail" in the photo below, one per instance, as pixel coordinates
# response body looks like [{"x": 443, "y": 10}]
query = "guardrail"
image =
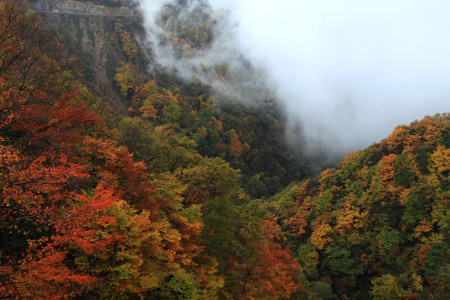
[{"x": 82, "y": 14}]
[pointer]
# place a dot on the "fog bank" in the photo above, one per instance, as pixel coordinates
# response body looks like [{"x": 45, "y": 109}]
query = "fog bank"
[
  {"x": 350, "y": 71},
  {"x": 347, "y": 71}
]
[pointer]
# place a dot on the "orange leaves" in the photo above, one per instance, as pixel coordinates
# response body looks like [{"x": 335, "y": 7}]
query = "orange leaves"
[
  {"x": 33, "y": 195},
  {"x": 422, "y": 228},
  {"x": 271, "y": 274},
  {"x": 45, "y": 276},
  {"x": 422, "y": 254},
  {"x": 298, "y": 222},
  {"x": 34, "y": 187},
  {"x": 78, "y": 222},
  {"x": 77, "y": 213},
  {"x": 429, "y": 127},
  {"x": 129, "y": 47},
  {"x": 115, "y": 165},
  {"x": 236, "y": 146},
  {"x": 397, "y": 139},
  {"x": 387, "y": 172},
  {"x": 151, "y": 99},
  {"x": 380, "y": 211},
  {"x": 149, "y": 112}
]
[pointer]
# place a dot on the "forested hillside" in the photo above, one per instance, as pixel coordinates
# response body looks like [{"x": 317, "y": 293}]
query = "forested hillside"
[
  {"x": 121, "y": 180},
  {"x": 97, "y": 204},
  {"x": 114, "y": 62},
  {"x": 377, "y": 225}
]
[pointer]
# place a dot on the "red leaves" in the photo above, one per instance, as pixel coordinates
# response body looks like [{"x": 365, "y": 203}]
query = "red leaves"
[
  {"x": 45, "y": 275},
  {"x": 78, "y": 222},
  {"x": 56, "y": 123},
  {"x": 271, "y": 274},
  {"x": 115, "y": 166},
  {"x": 33, "y": 186},
  {"x": 34, "y": 195}
]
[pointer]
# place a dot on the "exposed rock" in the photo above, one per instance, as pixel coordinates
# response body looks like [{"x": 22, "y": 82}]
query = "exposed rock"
[{"x": 88, "y": 36}]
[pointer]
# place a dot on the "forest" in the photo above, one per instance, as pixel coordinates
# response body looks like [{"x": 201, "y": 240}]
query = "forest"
[{"x": 131, "y": 184}]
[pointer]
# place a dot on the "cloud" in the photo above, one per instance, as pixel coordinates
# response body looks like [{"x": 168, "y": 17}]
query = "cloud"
[
  {"x": 196, "y": 43},
  {"x": 351, "y": 70},
  {"x": 348, "y": 71}
]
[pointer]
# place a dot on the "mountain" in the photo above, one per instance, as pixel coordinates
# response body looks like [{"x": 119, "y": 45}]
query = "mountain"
[
  {"x": 132, "y": 198},
  {"x": 116, "y": 62},
  {"x": 377, "y": 225},
  {"x": 123, "y": 178}
]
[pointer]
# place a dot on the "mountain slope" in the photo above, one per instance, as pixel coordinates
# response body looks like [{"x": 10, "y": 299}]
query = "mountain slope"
[
  {"x": 116, "y": 63},
  {"x": 82, "y": 217},
  {"x": 377, "y": 225}
]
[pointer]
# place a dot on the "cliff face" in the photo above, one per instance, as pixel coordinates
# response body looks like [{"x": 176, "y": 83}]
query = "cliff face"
[{"x": 87, "y": 29}]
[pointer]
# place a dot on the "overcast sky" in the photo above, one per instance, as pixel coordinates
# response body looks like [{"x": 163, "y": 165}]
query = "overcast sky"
[{"x": 350, "y": 70}]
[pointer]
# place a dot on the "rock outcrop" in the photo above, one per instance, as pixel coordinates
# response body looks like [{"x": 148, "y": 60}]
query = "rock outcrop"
[{"x": 87, "y": 29}]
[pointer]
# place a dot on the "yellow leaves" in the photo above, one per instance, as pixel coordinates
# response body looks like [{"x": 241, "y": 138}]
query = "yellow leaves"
[
  {"x": 413, "y": 142},
  {"x": 203, "y": 131},
  {"x": 441, "y": 159},
  {"x": 431, "y": 129},
  {"x": 431, "y": 237},
  {"x": 126, "y": 78},
  {"x": 403, "y": 196},
  {"x": 149, "y": 281},
  {"x": 350, "y": 217},
  {"x": 172, "y": 236},
  {"x": 152, "y": 99},
  {"x": 170, "y": 97},
  {"x": 130, "y": 48},
  {"x": 417, "y": 282},
  {"x": 215, "y": 124},
  {"x": 423, "y": 227},
  {"x": 435, "y": 238},
  {"x": 320, "y": 236},
  {"x": 326, "y": 175}
]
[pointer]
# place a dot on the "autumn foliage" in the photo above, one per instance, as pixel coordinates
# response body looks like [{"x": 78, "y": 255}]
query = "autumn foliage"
[
  {"x": 81, "y": 217},
  {"x": 376, "y": 225},
  {"x": 157, "y": 203}
]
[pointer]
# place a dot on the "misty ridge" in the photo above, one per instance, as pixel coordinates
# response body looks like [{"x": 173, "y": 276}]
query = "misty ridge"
[
  {"x": 207, "y": 53},
  {"x": 347, "y": 72}
]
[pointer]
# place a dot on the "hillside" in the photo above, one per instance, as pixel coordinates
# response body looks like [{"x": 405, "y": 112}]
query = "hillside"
[
  {"x": 121, "y": 178},
  {"x": 377, "y": 225},
  {"x": 114, "y": 61},
  {"x": 98, "y": 203}
]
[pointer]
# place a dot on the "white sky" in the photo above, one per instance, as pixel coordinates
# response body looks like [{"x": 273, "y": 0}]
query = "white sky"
[{"x": 350, "y": 70}]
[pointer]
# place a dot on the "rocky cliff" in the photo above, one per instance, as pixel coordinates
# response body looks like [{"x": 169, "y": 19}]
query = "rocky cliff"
[{"x": 88, "y": 29}]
